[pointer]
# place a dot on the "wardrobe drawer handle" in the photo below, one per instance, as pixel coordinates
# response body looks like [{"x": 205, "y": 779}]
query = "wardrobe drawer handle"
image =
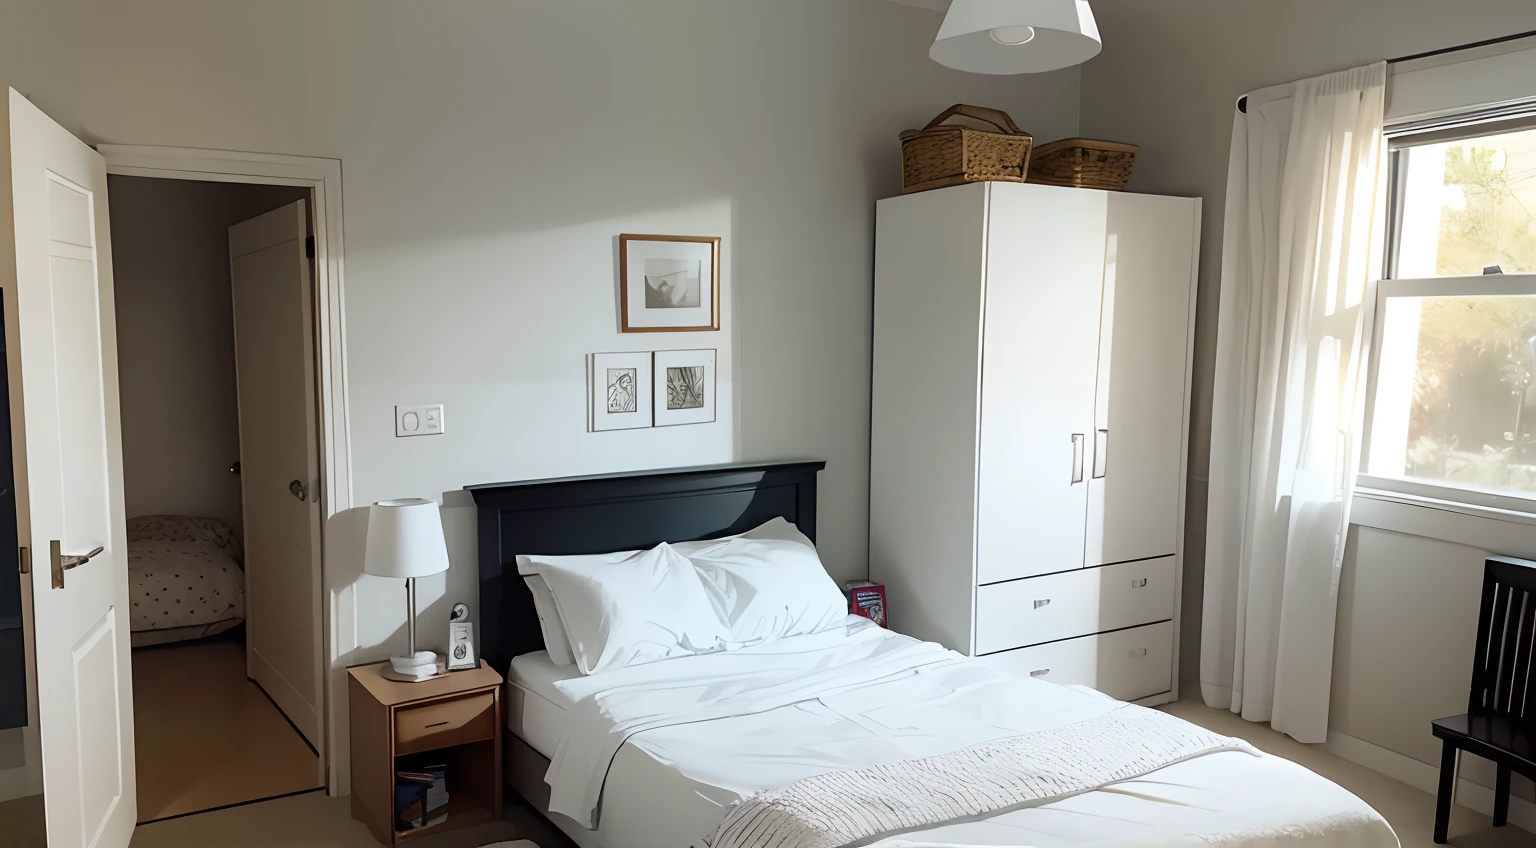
[
  {"x": 1044, "y": 602},
  {"x": 1139, "y": 652},
  {"x": 1137, "y": 584},
  {"x": 1040, "y": 672}
]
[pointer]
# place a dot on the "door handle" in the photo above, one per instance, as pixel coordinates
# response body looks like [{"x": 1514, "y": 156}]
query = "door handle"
[
  {"x": 1077, "y": 458},
  {"x": 62, "y": 563},
  {"x": 297, "y": 489},
  {"x": 1100, "y": 454}
]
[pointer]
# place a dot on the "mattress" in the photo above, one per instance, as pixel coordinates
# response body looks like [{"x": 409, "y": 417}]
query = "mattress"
[
  {"x": 670, "y": 785},
  {"x": 182, "y": 586},
  {"x": 535, "y": 706}
]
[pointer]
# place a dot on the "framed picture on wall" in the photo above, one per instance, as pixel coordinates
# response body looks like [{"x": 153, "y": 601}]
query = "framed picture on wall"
[
  {"x": 685, "y": 387},
  {"x": 669, "y": 284},
  {"x": 619, "y": 388}
]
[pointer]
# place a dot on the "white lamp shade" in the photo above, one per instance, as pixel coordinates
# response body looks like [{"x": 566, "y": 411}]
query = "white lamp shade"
[
  {"x": 405, "y": 539},
  {"x": 994, "y": 36}
]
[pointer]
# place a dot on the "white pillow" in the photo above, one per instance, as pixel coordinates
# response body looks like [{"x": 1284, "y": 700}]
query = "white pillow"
[
  {"x": 631, "y": 608},
  {"x": 555, "y": 640},
  {"x": 767, "y": 583}
]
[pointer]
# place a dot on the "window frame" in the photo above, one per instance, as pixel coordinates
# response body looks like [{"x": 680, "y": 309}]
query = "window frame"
[
  {"x": 1420, "y": 490},
  {"x": 1401, "y": 139}
]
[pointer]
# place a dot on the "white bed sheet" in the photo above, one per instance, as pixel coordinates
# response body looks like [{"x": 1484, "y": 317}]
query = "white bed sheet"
[
  {"x": 536, "y": 708},
  {"x": 671, "y": 784}
]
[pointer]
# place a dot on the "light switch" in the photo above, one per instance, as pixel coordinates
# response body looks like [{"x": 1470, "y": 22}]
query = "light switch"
[{"x": 419, "y": 420}]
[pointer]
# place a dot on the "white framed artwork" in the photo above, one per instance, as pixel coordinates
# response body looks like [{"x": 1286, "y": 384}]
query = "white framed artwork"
[
  {"x": 669, "y": 284},
  {"x": 619, "y": 391},
  {"x": 685, "y": 387}
]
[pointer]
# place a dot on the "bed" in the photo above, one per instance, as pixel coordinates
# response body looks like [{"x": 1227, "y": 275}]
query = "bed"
[
  {"x": 669, "y": 750},
  {"x": 185, "y": 579}
]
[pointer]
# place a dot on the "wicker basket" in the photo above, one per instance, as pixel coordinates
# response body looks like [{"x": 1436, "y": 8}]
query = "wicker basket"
[
  {"x": 945, "y": 154},
  {"x": 1084, "y": 163}
]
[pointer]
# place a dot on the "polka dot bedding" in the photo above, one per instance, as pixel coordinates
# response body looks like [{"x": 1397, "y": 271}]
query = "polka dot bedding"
[{"x": 179, "y": 582}]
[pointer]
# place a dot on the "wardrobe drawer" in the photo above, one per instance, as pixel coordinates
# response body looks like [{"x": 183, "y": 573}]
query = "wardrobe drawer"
[
  {"x": 1127, "y": 664},
  {"x": 1073, "y": 603},
  {"x": 441, "y": 724}
]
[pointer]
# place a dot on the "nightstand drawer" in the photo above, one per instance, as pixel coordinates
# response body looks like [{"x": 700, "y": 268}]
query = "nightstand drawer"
[{"x": 440, "y": 724}]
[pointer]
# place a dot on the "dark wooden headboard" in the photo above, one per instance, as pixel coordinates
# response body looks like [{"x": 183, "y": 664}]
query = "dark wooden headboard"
[{"x": 617, "y": 512}]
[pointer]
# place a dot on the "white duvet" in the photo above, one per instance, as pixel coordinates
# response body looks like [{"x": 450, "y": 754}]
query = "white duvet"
[{"x": 667, "y": 747}]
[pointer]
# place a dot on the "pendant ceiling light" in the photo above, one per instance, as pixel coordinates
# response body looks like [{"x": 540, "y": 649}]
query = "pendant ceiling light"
[{"x": 1016, "y": 36}]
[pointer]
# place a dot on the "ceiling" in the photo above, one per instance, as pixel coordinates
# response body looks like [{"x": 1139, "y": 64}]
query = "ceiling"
[{"x": 936, "y": 5}]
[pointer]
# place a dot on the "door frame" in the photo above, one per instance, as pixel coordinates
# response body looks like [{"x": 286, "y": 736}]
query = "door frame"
[{"x": 323, "y": 177}]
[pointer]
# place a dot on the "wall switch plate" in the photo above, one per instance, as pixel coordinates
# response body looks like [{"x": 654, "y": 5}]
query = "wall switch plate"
[{"x": 420, "y": 420}]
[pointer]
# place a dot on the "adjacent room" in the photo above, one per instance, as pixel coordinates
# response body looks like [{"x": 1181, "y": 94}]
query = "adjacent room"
[
  {"x": 768, "y": 424},
  {"x": 211, "y": 605}
]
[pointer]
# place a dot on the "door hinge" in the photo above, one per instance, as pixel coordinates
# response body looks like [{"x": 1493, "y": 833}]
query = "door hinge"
[{"x": 309, "y": 247}]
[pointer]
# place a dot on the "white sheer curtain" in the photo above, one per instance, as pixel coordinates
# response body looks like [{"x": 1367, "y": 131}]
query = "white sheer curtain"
[{"x": 1299, "y": 256}]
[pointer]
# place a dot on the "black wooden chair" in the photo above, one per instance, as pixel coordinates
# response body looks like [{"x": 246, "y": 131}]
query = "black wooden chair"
[{"x": 1500, "y": 723}]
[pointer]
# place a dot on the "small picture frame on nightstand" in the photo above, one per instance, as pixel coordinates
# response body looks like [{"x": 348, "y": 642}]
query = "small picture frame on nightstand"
[{"x": 461, "y": 646}]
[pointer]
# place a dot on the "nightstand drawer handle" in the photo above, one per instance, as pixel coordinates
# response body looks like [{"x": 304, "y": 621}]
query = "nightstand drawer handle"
[
  {"x": 1040, "y": 672},
  {"x": 1042, "y": 603},
  {"x": 439, "y": 724},
  {"x": 1138, "y": 652},
  {"x": 1137, "y": 584}
]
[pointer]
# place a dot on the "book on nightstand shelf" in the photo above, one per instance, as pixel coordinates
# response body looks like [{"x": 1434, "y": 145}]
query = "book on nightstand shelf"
[
  {"x": 866, "y": 599},
  {"x": 421, "y": 798}
]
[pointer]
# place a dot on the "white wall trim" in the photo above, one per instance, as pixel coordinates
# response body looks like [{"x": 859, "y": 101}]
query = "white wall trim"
[
  {"x": 1423, "y": 776},
  {"x": 324, "y": 177}
]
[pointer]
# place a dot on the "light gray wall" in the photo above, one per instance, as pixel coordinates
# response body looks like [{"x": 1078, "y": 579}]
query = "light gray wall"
[
  {"x": 175, "y": 340},
  {"x": 492, "y": 152},
  {"x": 1168, "y": 80}
]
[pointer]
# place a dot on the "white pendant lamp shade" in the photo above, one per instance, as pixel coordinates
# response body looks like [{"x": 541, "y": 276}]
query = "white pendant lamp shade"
[
  {"x": 1016, "y": 36},
  {"x": 405, "y": 539}
]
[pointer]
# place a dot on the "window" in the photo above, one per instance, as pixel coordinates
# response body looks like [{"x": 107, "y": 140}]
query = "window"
[
  {"x": 1465, "y": 205},
  {"x": 1451, "y": 411}
]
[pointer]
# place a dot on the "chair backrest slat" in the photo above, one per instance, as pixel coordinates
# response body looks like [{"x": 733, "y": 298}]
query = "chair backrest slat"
[{"x": 1506, "y": 641}]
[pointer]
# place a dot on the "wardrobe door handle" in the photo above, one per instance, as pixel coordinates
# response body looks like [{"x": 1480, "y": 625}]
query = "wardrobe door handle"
[
  {"x": 1100, "y": 454},
  {"x": 1077, "y": 458}
]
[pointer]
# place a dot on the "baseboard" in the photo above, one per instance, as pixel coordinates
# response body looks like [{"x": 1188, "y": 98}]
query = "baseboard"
[
  {"x": 1420, "y": 775},
  {"x": 299, "y": 712}
]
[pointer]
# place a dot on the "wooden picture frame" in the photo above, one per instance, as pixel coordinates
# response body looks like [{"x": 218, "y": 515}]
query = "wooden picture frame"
[{"x": 669, "y": 299}]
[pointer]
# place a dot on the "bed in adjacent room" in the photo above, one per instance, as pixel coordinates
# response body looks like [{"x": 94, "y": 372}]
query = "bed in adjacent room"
[
  {"x": 633, "y": 722},
  {"x": 185, "y": 578}
]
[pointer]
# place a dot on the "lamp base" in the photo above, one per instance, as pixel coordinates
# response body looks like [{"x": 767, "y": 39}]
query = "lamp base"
[{"x": 415, "y": 668}]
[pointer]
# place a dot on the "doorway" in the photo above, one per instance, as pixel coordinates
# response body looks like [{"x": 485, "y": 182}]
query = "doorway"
[{"x": 216, "y": 369}]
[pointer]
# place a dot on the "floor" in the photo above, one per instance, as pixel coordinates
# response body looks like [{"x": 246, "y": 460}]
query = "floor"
[
  {"x": 192, "y": 698},
  {"x": 317, "y": 821}
]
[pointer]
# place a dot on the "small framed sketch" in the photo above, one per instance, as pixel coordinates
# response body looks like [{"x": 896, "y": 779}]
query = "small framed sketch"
[
  {"x": 669, "y": 284},
  {"x": 685, "y": 387},
  {"x": 620, "y": 391}
]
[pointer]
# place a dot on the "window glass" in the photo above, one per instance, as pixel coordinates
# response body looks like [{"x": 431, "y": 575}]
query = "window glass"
[
  {"x": 1453, "y": 392},
  {"x": 1467, "y": 205}
]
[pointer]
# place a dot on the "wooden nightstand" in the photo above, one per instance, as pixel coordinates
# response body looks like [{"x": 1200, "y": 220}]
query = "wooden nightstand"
[{"x": 454, "y": 720}]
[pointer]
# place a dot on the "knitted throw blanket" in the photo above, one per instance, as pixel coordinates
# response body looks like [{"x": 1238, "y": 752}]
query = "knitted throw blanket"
[{"x": 843, "y": 807}]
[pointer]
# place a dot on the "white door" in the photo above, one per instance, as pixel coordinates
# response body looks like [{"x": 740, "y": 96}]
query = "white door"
[
  {"x": 1045, "y": 269},
  {"x": 67, "y": 443},
  {"x": 279, "y": 460},
  {"x": 1149, "y": 272}
]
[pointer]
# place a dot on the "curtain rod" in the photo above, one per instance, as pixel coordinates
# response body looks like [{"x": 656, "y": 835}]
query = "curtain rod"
[{"x": 1242, "y": 102}]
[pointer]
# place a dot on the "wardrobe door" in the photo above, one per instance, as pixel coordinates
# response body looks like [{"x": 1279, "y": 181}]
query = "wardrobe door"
[
  {"x": 1045, "y": 266},
  {"x": 1135, "y": 488}
]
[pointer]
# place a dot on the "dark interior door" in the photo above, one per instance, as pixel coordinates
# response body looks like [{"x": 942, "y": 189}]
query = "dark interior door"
[{"x": 13, "y": 659}]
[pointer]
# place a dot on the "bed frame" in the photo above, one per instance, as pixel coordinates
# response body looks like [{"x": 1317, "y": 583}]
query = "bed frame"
[{"x": 603, "y": 514}]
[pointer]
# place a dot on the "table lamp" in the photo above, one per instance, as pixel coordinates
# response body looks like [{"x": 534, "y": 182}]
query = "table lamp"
[{"x": 405, "y": 540}]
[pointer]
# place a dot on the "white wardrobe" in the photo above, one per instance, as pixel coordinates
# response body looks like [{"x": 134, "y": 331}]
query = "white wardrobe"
[{"x": 1031, "y": 425}]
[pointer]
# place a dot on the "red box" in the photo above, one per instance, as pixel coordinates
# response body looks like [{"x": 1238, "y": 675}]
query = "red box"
[{"x": 866, "y": 599}]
